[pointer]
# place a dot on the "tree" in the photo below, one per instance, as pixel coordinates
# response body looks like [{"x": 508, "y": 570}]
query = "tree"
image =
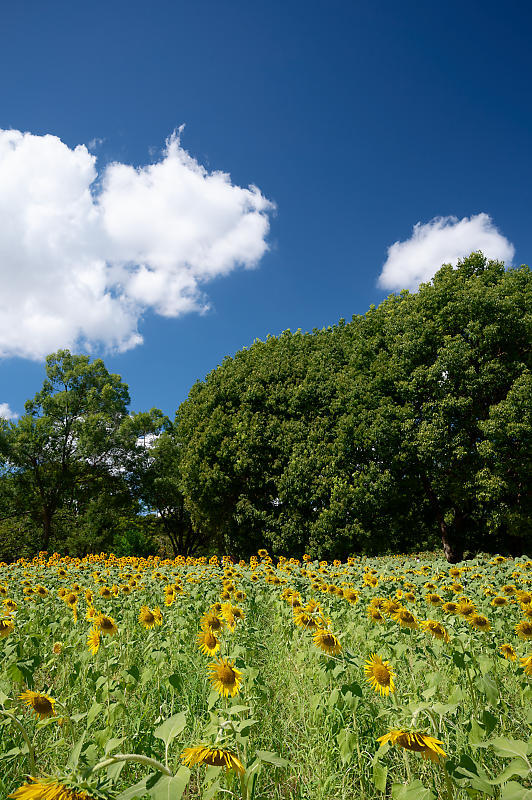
[
  {"x": 380, "y": 434},
  {"x": 70, "y": 444}
]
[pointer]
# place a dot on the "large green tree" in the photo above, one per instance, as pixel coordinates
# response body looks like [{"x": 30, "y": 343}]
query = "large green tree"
[
  {"x": 66, "y": 453},
  {"x": 406, "y": 424}
]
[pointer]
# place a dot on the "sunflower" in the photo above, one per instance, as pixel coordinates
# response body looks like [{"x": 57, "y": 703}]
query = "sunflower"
[
  {"x": 405, "y": 618},
  {"x": 227, "y": 614},
  {"x": 327, "y": 642},
  {"x": 147, "y": 618},
  {"x": 207, "y": 641},
  {"x": 40, "y": 703},
  {"x": 106, "y": 624},
  {"x": 42, "y": 789},
  {"x": 212, "y": 620},
  {"x": 57, "y": 647},
  {"x": 105, "y": 592},
  {"x": 71, "y": 599},
  {"x": 524, "y": 629},
  {"x": 479, "y": 622},
  {"x": 351, "y": 596},
  {"x": 428, "y": 746},
  {"x": 450, "y": 608},
  {"x": 304, "y": 620},
  {"x": 380, "y": 675},
  {"x": 526, "y": 663},
  {"x": 390, "y": 607},
  {"x": 466, "y": 608},
  {"x": 93, "y": 641},
  {"x": 375, "y": 615},
  {"x": 212, "y": 757},
  {"x": 498, "y": 601},
  {"x": 7, "y": 626},
  {"x": 224, "y": 677},
  {"x": 508, "y": 652},
  {"x": 435, "y": 629}
]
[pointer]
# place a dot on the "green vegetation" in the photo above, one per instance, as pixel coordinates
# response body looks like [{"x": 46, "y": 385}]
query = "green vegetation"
[
  {"x": 104, "y": 657},
  {"x": 410, "y": 425}
]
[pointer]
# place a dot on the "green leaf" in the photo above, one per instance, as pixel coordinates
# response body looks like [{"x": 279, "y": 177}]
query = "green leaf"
[
  {"x": 76, "y": 752},
  {"x": 236, "y": 709},
  {"x": 509, "y": 748},
  {"x": 14, "y": 673},
  {"x": 175, "y": 680},
  {"x": 516, "y": 767},
  {"x": 380, "y": 773},
  {"x": 94, "y": 710},
  {"x": 212, "y": 698},
  {"x": 514, "y": 791},
  {"x": 490, "y": 688},
  {"x": 168, "y": 788},
  {"x": 411, "y": 791},
  {"x": 272, "y": 758},
  {"x": 346, "y": 744},
  {"x": 211, "y": 791},
  {"x": 171, "y": 728},
  {"x": 138, "y": 790}
]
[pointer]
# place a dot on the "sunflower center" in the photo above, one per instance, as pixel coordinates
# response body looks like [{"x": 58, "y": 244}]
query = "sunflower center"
[
  {"x": 215, "y": 759},
  {"x": 106, "y": 624},
  {"x": 381, "y": 675},
  {"x": 226, "y": 675},
  {"x": 43, "y": 706}
]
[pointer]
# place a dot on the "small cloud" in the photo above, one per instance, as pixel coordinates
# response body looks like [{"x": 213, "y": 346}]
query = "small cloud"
[
  {"x": 95, "y": 143},
  {"x": 6, "y": 413},
  {"x": 442, "y": 240}
]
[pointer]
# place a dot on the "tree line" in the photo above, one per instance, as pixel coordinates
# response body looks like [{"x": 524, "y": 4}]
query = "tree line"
[{"x": 408, "y": 428}]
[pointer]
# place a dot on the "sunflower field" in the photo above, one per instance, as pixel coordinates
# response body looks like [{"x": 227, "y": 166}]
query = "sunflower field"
[{"x": 393, "y": 677}]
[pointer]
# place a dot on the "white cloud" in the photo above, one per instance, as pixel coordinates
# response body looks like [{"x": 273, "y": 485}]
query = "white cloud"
[
  {"x": 84, "y": 254},
  {"x": 443, "y": 240},
  {"x": 6, "y": 413}
]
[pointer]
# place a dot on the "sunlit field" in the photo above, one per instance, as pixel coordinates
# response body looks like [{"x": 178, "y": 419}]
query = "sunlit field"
[{"x": 393, "y": 677}]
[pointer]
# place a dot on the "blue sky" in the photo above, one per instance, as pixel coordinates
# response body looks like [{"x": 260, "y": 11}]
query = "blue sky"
[{"x": 355, "y": 120}]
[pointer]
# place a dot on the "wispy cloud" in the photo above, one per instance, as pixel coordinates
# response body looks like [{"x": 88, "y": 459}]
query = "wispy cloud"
[
  {"x": 82, "y": 259},
  {"x": 443, "y": 240},
  {"x": 6, "y": 413}
]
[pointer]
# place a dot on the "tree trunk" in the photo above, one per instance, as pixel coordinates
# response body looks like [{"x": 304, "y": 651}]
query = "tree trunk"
[
  {"x": 46, "y": 528},
  {"x": 453, "y": 549}
]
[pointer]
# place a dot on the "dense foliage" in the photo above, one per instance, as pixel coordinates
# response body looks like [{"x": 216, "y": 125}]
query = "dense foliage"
[
  {"x": 409, "y": 425},
  {"x": 156, "y": 679},
  {"x": 412, "y": 422}
]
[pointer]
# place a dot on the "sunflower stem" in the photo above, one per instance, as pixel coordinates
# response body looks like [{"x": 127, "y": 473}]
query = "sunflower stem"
[
  {"x": 448, "y": 782},
  {"x": 22, "y": 729},
  {"x": 407, "y": 765},
  {"x": 137, "y": 758},
  {"x": 108, "y": 687}
]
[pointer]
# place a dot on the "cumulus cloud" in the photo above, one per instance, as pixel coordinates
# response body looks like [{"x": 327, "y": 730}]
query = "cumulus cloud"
[
  {"x": 6, "y": 413},
  {"x": 443, "y": 240},
  {"x": 83, "y": 254}
]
